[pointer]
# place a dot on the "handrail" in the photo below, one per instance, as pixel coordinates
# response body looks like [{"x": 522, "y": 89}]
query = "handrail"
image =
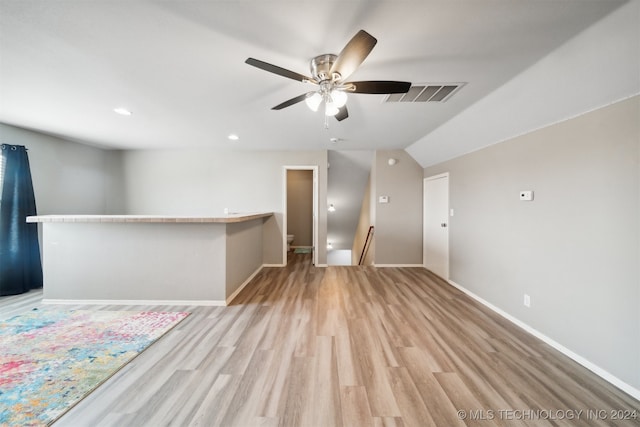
[{"x": 366, "y": 243}]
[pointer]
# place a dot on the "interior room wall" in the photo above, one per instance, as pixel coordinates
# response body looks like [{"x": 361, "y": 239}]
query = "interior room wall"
[
  {"x": 300, "y": 206},
  {"x": 364, "y": 222},
  {"x": 348, "y": 175},
  {"x": 68, "y": 177},
  {"x": 597, "y": 67},
  {"x": 398, "y": 223},
  {"x": 339, "y": 257},
  {"x": 574, "y": 249},
  {"x": 206, "y": 181}
]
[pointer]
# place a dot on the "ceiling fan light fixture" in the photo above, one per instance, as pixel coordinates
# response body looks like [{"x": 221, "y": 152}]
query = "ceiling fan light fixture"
[
  {"x": 330, "y": 73},
  {"x": 330, "y": 109},
  {"x": 339, "y": 98},
  {"x": 313, "y": 101}
]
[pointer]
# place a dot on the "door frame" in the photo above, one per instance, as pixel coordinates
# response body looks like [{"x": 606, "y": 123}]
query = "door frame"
[
  {"x": 314, "y": 231},
  {"x": 424, "y": 220}
]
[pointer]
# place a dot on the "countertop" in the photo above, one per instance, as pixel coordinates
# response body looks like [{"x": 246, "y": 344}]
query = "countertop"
[{"x": 225, "y": 219}]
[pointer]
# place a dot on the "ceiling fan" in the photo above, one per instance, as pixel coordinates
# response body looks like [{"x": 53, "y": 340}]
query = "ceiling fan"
[{"x": 330, "y": 73}]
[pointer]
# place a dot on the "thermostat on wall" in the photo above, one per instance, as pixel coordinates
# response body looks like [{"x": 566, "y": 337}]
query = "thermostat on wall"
[
  {"x": 526, "y": 195},
  {"x": 383, "y": 199}
]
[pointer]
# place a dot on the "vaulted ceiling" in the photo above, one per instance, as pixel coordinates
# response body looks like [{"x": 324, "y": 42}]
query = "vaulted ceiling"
[{"x": 179, "y": 66}]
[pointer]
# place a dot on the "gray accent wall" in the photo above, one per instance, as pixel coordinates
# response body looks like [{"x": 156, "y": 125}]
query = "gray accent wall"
[
  {"x": 206, "y": 181},
  {"x": 243, "y": 254},
  {"x": 300, "y": 206},
  {"x": 398, "y": 224},
  {"x": 397, "y": 237},
  {"x": 159, "y": 261},
  {"x": 69, "y": 178},
  {"x": 574, "y": 249}
]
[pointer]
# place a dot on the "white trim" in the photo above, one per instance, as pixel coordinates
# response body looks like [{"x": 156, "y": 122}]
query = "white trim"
[
  {"x": 274, "y": 265},
  {"x": 242, "y": 286},
  {"x": 440, "y": 175},
  {"x": 322, "y": 265},
  {"x": 627, "y": 388},
  {"x": 133, "y": 302},
  {"x": 398, "y": 265}
]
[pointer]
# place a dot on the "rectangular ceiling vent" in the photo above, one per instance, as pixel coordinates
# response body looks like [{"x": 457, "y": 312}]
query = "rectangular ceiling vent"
[{"x": 426, "y": 92}]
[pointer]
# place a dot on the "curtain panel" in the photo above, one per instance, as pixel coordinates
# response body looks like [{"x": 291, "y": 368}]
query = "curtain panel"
[{"x": 20, "y": 264}]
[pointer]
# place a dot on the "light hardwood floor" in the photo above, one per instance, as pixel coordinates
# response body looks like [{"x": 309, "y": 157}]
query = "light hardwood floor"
[{"x": 345, "y": 346}]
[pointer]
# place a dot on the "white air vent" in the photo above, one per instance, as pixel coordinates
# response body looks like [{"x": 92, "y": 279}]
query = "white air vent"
[{"x": 426, "y": 92}]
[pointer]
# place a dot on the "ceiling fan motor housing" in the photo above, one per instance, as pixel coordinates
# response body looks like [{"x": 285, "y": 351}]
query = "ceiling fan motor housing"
[{"x": 321, "y": 67}]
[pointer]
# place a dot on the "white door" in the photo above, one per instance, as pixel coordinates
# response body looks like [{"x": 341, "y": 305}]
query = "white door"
[{"x": 435, "y": 248}]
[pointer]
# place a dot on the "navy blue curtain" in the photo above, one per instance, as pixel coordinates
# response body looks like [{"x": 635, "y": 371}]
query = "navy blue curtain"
[{"x": 20, "y": 266}]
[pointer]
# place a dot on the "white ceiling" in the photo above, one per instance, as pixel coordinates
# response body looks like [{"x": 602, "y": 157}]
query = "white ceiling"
[{"x": 179, "y": 66}]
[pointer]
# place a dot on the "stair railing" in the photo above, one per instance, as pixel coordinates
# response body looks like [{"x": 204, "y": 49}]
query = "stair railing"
[{"x": 367, "y": 243}]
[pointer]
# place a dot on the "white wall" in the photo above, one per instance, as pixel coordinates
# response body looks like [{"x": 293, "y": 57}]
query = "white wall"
[
  {"x": 575, "y": 249},
  {"x": 69, "y": 178},
  {"x": 205, "y": 182},
  {"x": 339, "y": 257}
]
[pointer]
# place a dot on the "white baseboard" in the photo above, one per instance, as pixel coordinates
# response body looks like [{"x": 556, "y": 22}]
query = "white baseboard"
[
  {"x": 274, "y": 265},
  {"x": 132, "y": 302},
  {"x": 398, "y": 265},
  {"x": 245, "y": 283},
  {"x": 627, "y": 388}
]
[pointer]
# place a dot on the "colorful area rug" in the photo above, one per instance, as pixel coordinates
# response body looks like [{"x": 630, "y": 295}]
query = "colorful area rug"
[{"x": 51, "y": 359}]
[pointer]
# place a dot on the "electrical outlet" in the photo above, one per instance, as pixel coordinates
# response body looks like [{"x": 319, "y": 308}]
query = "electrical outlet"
[{"x": 527, "y": 300}]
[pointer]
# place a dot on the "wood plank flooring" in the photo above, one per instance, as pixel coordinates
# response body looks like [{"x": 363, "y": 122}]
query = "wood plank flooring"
[{"x": 345, "y": 346}]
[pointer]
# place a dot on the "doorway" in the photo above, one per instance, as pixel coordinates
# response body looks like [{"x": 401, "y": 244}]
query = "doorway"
[
  {"x": 435, "y": 239},
  {"x": 301, "y": 209}
]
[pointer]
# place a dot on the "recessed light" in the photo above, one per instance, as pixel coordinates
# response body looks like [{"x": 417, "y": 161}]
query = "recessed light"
[
  {"x": 122, "y": 111},
  {"x": 233, "y": 137}
]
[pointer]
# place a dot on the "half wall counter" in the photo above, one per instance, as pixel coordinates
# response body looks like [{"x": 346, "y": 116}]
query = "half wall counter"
[{"x": 143, "y": 259}]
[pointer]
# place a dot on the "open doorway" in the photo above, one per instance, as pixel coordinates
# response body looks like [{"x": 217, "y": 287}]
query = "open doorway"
[{"x": 300, "y": 210}]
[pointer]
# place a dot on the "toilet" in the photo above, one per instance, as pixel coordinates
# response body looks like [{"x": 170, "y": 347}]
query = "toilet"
[{"x": 289, "y": 241}]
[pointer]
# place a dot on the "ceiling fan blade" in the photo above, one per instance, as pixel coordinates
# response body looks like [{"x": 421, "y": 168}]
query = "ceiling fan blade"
[
  {"x": 380, "y": 87},
  {"x": 278, "y": 70},
  {"x": 353, "y": 54},
  {"x": 291, "y": 101},
  {"x": 342, "y": 114}
]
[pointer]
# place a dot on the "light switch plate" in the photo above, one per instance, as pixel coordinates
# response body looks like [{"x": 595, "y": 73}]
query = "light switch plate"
[{"x": 526, "y": 195}]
